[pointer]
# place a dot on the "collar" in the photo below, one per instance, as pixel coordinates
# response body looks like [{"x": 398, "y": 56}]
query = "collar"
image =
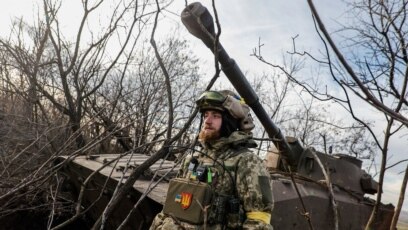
[{"x": 237, "y": 139}]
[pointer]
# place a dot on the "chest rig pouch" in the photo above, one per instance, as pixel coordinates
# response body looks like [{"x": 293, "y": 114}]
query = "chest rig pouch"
[{"x": 186, "y": 200}]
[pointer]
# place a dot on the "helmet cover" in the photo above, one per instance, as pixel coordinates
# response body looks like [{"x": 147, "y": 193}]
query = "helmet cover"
[{"x": 227, "y": 101}]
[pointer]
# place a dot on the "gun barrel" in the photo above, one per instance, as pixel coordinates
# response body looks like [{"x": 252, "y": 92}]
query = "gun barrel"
[{"x": 199, "y": 23}]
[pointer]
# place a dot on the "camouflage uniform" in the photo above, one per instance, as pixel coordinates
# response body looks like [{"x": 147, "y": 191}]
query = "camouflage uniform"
[{"x": 237, "y": 165}]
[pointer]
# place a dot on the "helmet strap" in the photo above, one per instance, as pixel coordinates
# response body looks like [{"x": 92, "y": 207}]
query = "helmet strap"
[{"x": 229, "y": 125}]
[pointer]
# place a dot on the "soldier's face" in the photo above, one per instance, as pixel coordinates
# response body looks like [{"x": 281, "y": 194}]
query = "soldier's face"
[{"x": 212, "y": 125}]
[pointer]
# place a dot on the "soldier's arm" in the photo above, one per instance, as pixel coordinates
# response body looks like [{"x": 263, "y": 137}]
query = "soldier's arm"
[{"x": 254, "y": 188}]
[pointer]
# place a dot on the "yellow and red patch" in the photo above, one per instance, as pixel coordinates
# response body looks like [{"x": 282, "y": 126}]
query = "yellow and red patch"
[{"x": 185, "y": 198}]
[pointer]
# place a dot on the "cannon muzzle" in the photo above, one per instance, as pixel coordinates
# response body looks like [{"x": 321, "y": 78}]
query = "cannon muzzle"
[{"x": 199, "y": 23}]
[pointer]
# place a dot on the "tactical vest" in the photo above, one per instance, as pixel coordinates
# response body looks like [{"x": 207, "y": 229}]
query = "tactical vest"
[{"x": 207, "y": 193}]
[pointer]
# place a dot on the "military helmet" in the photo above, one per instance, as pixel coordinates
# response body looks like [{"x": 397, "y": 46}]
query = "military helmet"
[{"x": 229, "y": 102}]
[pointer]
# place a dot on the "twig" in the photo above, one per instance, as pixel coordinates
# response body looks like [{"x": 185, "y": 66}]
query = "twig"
[{"x": 330, "y": 188}]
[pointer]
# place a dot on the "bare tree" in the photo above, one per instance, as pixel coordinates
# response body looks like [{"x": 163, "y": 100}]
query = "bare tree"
[
  {"x": 64, "y": 71},
  {"x": 372, "y": 66},
  {"x": 135, "y": 99},
  {"x": 306, "y": 118},
  {"x": 72, "y": 96},
  {"x": 383, "y": 73}
]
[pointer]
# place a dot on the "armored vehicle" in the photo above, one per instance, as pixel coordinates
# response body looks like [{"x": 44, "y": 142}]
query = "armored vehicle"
[{"x": 311, "y": 190}]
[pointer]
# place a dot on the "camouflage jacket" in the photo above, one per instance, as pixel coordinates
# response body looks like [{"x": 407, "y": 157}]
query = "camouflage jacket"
[{"x": 236, "y": 173}]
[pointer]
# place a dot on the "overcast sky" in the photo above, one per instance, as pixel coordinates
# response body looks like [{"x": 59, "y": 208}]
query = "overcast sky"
[{"x": 244, "y": 22}]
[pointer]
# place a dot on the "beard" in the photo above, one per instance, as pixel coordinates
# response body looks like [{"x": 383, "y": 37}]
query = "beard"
[{"x": 208, "y": 134}]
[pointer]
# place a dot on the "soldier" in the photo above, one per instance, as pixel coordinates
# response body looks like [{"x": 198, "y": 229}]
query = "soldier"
[{"x": 224, "y": 186}]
